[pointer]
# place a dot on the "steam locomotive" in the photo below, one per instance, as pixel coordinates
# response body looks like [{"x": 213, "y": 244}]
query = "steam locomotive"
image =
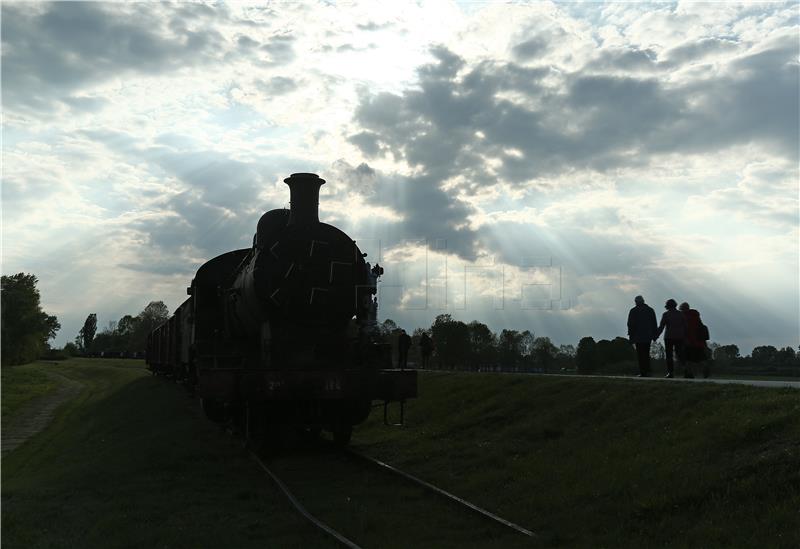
[{"x": 285, "y": 332}]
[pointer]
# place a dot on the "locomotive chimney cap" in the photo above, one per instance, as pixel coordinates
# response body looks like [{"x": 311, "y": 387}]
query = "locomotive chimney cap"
[
  {"x": 304, "y": 199},
  {"x": 304, "y": 176}
]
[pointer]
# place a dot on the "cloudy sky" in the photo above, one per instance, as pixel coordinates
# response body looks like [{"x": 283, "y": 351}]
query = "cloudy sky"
[{"x": 531, "y": 165}]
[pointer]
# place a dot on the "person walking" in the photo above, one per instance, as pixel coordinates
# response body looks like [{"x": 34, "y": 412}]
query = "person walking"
[
  {"x": 674, "y": 323},
  {"x": 425, "y": 348},
  {"x": 403, "y": 344},
  {"x": 696, "y": 336},
  {"x": 642, "y": 328}
]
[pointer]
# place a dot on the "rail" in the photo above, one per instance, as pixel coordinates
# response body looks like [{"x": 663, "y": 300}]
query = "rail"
[
  {"x": 441, "y": 492},
  {"x": 302, "y": 510}
]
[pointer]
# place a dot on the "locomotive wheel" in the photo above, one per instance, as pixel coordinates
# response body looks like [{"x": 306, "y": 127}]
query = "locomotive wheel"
[
  {"x": 215, "y": 411},
  {"x": 342, "y": 435}
]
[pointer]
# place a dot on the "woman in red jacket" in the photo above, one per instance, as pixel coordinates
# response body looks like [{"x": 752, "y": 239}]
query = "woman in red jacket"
[{"x": 695, "y": 342}]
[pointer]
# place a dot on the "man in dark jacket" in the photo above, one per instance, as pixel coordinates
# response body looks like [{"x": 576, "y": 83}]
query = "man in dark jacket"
[
  {"x": 425, "y": 348},
  {"x": 642, "y": 330}
]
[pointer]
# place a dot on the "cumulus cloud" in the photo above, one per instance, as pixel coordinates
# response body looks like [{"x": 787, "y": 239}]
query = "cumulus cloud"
[
  {"x": 477, "y": 124},
  {"x": 50, "y": 50},
  {"x": 644, "y": 149},
  {"x": 277, "y": 85}
]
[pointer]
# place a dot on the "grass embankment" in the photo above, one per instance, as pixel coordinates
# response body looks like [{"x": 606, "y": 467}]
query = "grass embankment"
[
  {"x": 21, "y": 385},
  {"x": 130, "y": 463},
  {"x": 583, "y": 462},
  {"x": 609, "y": 463}
]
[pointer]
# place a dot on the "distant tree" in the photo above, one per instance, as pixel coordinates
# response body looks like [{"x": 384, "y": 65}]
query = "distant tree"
[
  {"x": 387, "y": 327},
  {"x": 615, "y": 351},
  {"x": 565, "y": 357},
  {"x": 127, "y": 325},
  {"x": 527, "y": 339},
  {"x": 452, "y": 340},
  {"x": 566, "y": 350},
  {"x": 764, "y": 354},
  {"x": 154, "y": 315},
  {"x": 106, "y": 341},
  {"x": 786, "y": 356},
  {"x": 509, "y": 347},
  {"x": 586, "y": 355},
  {"x": 544, "y": 352},
  {"x": 482, "y": 344},
  {"x": 70, "y": 349},
  {"x": 25, "y": 327},
  {"x": 88, "y": 331},
  {"x": 726, "y": 353}
]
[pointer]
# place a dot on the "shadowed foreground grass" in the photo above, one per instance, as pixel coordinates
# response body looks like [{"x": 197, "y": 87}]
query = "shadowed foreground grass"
[
  {"x": 609, "y": 463},
  {"x": 130, "y": 463},
  {"x": 583, "y": 462}
]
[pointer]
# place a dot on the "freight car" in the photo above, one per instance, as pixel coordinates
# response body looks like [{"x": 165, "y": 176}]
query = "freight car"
[{"x": 284, "y": 332}]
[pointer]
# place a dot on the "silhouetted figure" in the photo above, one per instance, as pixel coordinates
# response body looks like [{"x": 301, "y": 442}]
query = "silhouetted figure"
[
  {"x": 426, "y": 349},
  {"x": 403, "y": 344},
  {"x": 642, "y": 329},
  {"x": 675, "y": 324},
  {"x": 696, "y": 337}
]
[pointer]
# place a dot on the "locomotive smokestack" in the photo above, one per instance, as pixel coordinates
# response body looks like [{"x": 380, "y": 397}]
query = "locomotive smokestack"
[{"x": 304, "y": 197}]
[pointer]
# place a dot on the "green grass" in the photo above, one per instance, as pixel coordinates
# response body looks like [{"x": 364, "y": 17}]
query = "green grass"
[
  {"x": 20, "y": 385},
  {"x": 584, "y": 462},
  {"x": 132, "y": 463},
  {"x": 609, "y": 463}
]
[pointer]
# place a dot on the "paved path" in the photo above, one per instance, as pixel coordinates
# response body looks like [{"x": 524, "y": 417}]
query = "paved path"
[
  {"x": 38, "y": 413},
  {"x": 656, "y": 379},
  {"x": 752, "y": 382}
]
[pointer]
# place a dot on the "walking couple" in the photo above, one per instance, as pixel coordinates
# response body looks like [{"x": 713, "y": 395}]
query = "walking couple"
[{"x": 685, "y": 336}]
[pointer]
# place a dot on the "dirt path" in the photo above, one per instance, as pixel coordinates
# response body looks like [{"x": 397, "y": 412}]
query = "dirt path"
[{"x": 37, "y": 414}]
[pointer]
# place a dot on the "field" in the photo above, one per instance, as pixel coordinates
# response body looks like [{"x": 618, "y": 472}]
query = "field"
[
  {"x": 610, "y": 463},
  {"x": 20, "y": 387},
  {"x": 582, "y": 462},
  {"x": 131, "y": 463}
]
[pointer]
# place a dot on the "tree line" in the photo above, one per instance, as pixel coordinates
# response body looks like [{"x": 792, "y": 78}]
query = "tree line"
[
  {"x": 26, "y": 328},
  {"x": 472, "y": 345},
  {"x": 124, "y": 337}
]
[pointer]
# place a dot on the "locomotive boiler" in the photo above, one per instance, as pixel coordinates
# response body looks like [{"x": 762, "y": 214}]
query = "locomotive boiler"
[{"x": 284, "y": 332}]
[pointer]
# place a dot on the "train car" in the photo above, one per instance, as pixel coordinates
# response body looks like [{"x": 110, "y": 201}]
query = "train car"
[{"x": 284, "y": 332}]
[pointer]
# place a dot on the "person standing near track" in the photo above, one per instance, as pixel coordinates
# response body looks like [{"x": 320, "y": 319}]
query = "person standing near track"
[
  {"x": 674, "y": 323},
  {"x": 642, "y": 329},
  {"x": 403, "y": 345},
  {"x": 425, "y": 348}
]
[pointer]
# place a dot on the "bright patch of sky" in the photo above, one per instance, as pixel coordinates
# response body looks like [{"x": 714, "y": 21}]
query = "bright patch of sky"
[{"x": 531, "y": 165}]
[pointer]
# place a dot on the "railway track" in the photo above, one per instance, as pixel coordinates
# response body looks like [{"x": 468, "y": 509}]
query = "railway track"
[{"x": 437, "y": 518}]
